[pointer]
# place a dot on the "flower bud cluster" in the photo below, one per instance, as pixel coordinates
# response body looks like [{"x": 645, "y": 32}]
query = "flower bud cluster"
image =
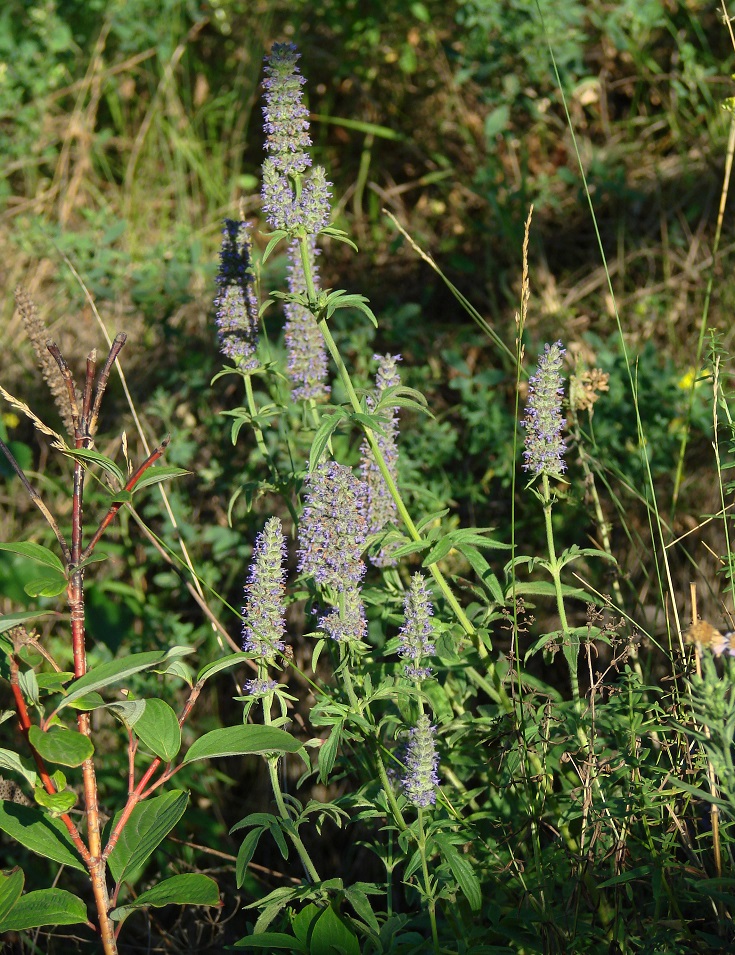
[
  {"x": 236, "y": 307},
  {"x": 307, "y": 355},
  {"x": 543, "y": 422},
  {"x": 417, "y": 630},
  {"x": 264, "y": 613}
]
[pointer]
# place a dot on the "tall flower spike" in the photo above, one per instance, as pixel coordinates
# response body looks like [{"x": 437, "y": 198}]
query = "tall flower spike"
[
  {"x": 236, "y": 307},
  {"x": 305, "y": 209},
  {"x": 264, "y": 613},
  {"x": 307, "y": 355},
  {"x": 422, "y": 760},
  {"x": 381, "y": 508},
  {"x": 333, "y": 527},
  {"x": 544, "y": 452},
  {"x": 415, "y": 635}
]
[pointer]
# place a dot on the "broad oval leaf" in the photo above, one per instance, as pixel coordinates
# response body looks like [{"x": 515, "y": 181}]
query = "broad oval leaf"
[
  {"x": 333, "y": 933},
  {"x": 11, "y": 886},
  {"x": 149, "y": 824},
  {"x": 240, "y": 741},
  {"x": 55, "y": 802},
  {"x": 45, "y": 907},
  {"x": 62, "y": 746},
  {"x": 158, "y": 728},
  {"x": 50, "y": 585},
  {"x": 38, "y": 832},
  {"x": 191, "y": 888},
  {"x": 13, "y": 762},
  {"x": 128, "y": 711}
]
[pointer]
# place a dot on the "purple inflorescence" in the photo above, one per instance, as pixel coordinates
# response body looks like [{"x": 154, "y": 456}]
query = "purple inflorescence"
[
  {"x": 422, "y": 760},
  {"x": 347, "y": 622},
  {"x": 236, "y": 307},
  {"x": 264, "y": 613},
  {"x": 333, "y": 527},
  {"x": 306, "y": 209},
  {"x": 307, "y": 356},
  {"x": 286, "y": 118},
  {"x": 416, "y": 633},
  {"x": 259, "y": 686},
  {"x": 543, "y": 422},
  {"x": 380, "y": 506}
]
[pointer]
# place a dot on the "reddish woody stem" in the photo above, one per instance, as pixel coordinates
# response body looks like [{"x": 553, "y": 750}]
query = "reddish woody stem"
[{"x": 25, "y": 725}]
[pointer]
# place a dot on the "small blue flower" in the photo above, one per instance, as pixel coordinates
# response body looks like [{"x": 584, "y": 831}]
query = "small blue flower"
[
  {"x": 264, "y": 613},
  {"x": 307, "y": 355},
  {"x": 422, "y": 760},
  {"x": 236, "y": 307},
  {"x": 333, "y": 528},
  {"x": 259, "y": 687},
  {"x": 543, "y": 422},
  {"x": 415, "y": 635},
  {"x": 346, "y": 623}
]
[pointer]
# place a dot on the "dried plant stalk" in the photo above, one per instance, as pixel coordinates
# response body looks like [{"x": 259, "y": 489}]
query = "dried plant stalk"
[{"x": 38, "y": 336}]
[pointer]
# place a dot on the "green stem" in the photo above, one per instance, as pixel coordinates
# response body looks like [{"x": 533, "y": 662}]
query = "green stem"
[
  {"x": 555, "y": 571},
  {"x": 431, "y": 901},
  {"x": 278, "y": 794},
  {"x": 259, "y": 439}
]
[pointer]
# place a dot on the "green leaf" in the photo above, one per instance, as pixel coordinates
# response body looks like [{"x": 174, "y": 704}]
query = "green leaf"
[
  {"x": 54, "y": 682},
  {"x": 128, "y": 711},
  {"x": 38, "y": 832},
  {"x": 149, "y": 824},
  {"x": 59, "y": 802},
  {"x": 225, "y": 663},
  {"x": 323, "y": 434},
  {"x": 116, "y": 670},
  {"x": 88, "y": 702},
  {"x": 62, "y": 746},
  {"x": 45, "y": 907},
  {"x": 245, "y": 854},
  {"x": 11, "y": 886},
  {"x": 462, "y": 871},
  {"x": 273, "y": 941},
  {"x": 242, "y": 740},
  {"x": 158, "y": 728},
  {"x": 46, "y": 586},
  {"x": 13, "y": 762},
  {"x": 94, "y": 457},
  {"x": 157, "y": 475},
  {"x": 333, "y": 933},
  {"x": 10, "y": 620},
  {"x": 41, "y": 555},
  {"x": 188, "y": 889}
]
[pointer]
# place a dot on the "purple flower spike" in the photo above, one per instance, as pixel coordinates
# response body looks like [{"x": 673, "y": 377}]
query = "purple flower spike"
[
  {"x": 381, "y": 508},
  {"x": 544, "y": 452},
  {"x": 416, "y": 633},
  {"x": 235, "y": 304},
  {"x": 304, "y": 209},
  {"x": 333, "y": 527},
  {"x": 264, "y": 613},
  {"x": 307, "y": 355},
  {"x": 422, "y": 760},
  {"x": 286, "y": 118}
]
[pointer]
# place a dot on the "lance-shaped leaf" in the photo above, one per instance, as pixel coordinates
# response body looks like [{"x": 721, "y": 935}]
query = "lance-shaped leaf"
[
  {"x": 94, "y": 457},
  {"x": 13, "y": 762},
  {"x": 156, "y": 475},
  {"x": 240, "y": 741},
  {"x": 106, "y": 674},
  {"x": 225, "y": 663},
  {"x": 11, "y": 620},
  {"x": 149, "y": 824},
  {"x": 35, "y": 552},
  {"x": 62, "y": 746},
  {"x": 188, "y": 889},
  {"x": 40, "y": 833},
  {"x": 45, "y": 907}
]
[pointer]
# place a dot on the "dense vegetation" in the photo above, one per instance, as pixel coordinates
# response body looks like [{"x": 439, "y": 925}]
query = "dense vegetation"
[{"x": 583, "y": 793}]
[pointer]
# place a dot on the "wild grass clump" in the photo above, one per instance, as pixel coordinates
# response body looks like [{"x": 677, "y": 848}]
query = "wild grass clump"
[{"x": 454, "y": 738}]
